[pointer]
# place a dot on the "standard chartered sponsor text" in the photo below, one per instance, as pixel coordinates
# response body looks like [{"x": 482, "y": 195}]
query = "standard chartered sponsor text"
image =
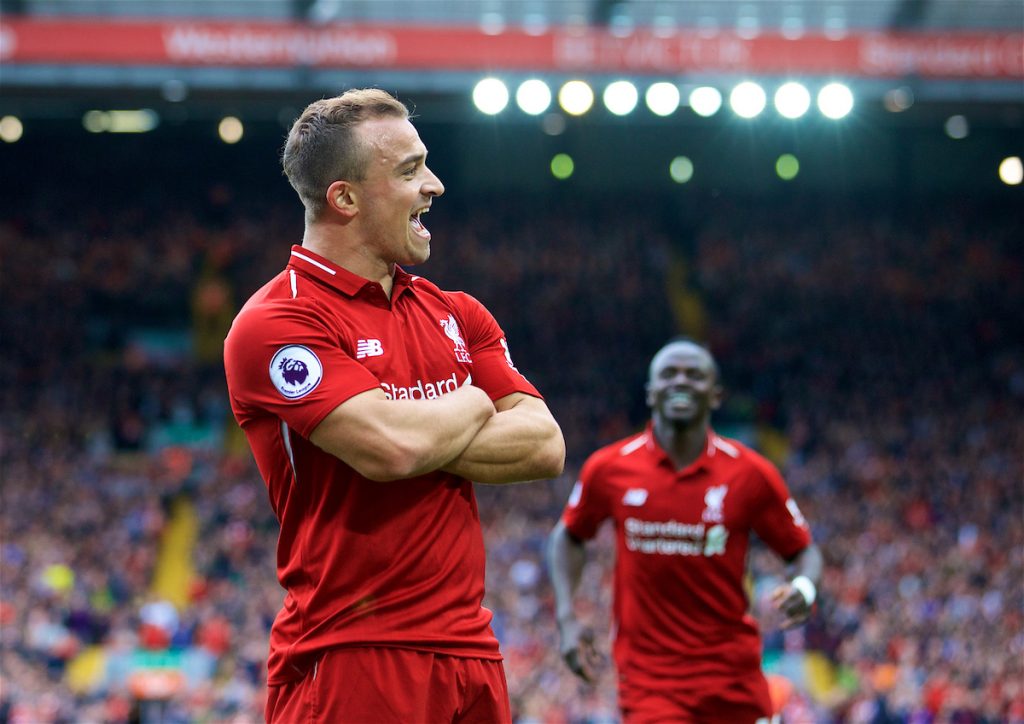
[
  {"x": 665, "y": 546},
  {"x": 420, "y": 390},
  {"x": 672, "y": 538},
  {"x": 674, "y": 528}
]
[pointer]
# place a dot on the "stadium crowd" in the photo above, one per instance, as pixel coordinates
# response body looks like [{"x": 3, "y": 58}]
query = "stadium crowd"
[{"x": 882, "y": 343}]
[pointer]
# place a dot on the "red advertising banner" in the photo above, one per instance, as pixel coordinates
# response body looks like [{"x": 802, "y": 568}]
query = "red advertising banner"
[{"x": 988, "y": 55}]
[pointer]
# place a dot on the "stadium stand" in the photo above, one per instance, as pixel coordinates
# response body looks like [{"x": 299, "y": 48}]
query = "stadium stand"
[{"x": 873, "y": 346}]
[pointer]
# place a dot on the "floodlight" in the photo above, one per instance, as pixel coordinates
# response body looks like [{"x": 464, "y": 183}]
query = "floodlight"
[
  {"x": 835, "y": 101},
  {"x": 705, "y": 101},
  {"x": 747, "y": 99},
  {"x": 490, "y": 96},
  {"x": 533, "y": 96},
  {"x": 792, "y": 100},
  {"x": 662, "y": 98},
  {"x": 620, "y": 97},
  {"x": 576, "y": 97}
]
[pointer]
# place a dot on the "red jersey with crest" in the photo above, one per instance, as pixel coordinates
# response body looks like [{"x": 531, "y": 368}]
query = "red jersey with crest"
[
  {"x": 364, "y": 563},
  {"x": 680, "y": 608}
]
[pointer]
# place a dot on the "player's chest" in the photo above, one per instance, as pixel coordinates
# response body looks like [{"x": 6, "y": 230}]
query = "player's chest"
[
  {"x": 417, "y": 350},
  {"x": 706, "y": 499},
  {"x": 699, "y": 516}
]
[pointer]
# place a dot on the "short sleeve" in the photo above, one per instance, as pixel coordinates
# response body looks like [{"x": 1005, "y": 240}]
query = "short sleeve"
[
  {"x": 281, "y": 359},
  {"x": 778, "y": 521},
  {"x": 493, "y": 368},
  {"x": 587, "y": 506}
]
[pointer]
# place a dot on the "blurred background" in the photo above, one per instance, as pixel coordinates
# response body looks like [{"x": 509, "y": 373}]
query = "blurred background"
[{"x": 827, "y": 192}]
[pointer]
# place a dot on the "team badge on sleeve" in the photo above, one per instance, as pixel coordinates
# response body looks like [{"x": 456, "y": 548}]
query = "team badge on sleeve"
[{"x": 295, "y": 371}]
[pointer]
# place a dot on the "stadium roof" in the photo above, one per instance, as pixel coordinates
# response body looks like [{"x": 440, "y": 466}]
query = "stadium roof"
[
  {"x": 136, "y": 50},
  {"x": 723, "y": 14}
]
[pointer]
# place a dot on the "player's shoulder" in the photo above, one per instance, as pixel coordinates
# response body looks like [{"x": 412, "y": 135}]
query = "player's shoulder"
[
  {"x": 622, "y": 452},
  {"x": 729, "y": 451},
  {"x": 271, "y": 305},
  {"x": 466, "y": 308},
  {"x": 464, "y": 302},
  {"x": 452, "y": 297}
]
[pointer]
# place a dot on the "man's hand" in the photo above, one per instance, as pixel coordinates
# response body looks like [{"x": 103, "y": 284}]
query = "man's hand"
[
  {"x": 792, "y": 604},
  {"x": 578, "y": 651}
]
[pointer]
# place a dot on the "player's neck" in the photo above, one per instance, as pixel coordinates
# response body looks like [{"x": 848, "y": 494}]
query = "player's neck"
[
  {"x": 682, "y": 443},
  {"x": 350, "y": 255}
]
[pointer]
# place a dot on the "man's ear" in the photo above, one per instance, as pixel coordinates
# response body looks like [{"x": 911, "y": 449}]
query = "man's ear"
[
  {"x": 343, "y": 199},
  {"x": 717, "y": 393}
]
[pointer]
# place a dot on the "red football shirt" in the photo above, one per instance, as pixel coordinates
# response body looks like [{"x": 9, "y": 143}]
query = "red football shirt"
[
  {"x": 364, "y": 563},
  {"x": 680, "y": 609}
]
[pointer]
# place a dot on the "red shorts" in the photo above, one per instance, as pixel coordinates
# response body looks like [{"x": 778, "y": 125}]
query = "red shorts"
[
  {"x": 745, "y": 700},
  {"x": 382, "y": 685}
]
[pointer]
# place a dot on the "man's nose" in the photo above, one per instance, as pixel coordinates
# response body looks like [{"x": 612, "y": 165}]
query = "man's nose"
[{"x": 433, "y": 186}]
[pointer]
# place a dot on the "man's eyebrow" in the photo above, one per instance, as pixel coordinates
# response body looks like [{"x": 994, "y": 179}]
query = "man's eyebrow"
[{"x": 413, "y": 157}]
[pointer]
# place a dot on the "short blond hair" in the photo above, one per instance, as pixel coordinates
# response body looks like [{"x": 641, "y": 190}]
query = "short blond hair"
[{"x": 322, "y": 148}]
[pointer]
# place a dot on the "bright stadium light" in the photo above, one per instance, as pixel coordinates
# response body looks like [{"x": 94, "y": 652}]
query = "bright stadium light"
[
  {"x": 1011, "y": 171},
  {"x": 490, "y": 96},
  {"x": 11, "y": 129},
  {"x": 705, "y": 101},
  {"x": 576, "y": 97},
  {"x": 621, "y": 97},
  {"x": 533, "y": 96},
  {"x": 747, "y": 99},
  {"x": 792, "y": 100},
  {"x": 662, "y": 98},
  {"x": 835, "y": 101},
  {"x": 230, "y": 129}
]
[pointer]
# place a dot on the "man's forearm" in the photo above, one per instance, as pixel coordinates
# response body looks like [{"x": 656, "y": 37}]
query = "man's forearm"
[
  {"x": 393, "y": 439},
  {"x": 520, "y": 443},
  {"x": 566, "y": 559},
  {"x": 809, "y": 564}
]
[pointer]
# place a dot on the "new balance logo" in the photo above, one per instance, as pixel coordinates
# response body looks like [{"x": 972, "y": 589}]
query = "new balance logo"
[
  {"x": 368, "y": 348},
  {"x": 635, "y": 497}
]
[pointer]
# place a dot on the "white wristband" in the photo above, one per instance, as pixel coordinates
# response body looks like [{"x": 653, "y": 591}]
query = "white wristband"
[{"x": 806, "y": 587}]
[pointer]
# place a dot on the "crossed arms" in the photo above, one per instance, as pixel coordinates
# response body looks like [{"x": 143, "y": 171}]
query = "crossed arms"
[{"x": 513, "y": 439}]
